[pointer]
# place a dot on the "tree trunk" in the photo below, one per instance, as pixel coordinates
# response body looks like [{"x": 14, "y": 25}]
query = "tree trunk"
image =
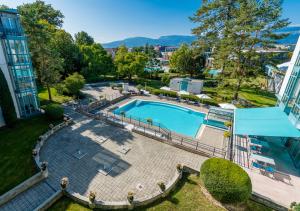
[
  {"x": 49, "y": 92},
  {"x": 237, "y": 89}
]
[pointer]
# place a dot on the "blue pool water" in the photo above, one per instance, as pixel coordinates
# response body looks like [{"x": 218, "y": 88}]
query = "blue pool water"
[{"x": 175, "y": 118}]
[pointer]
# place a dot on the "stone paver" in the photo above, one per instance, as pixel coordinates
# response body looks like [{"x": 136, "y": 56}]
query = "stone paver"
[
  {"x": 30, "y": 199},
  {"x": 147, "y": 162}
]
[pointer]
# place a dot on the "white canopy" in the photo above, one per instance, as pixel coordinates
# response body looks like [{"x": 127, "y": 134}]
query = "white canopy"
[
  {"x": 165, "y": 88},
  {"x": 227, "y": 106},
  {"x": 203, "y": 96}
]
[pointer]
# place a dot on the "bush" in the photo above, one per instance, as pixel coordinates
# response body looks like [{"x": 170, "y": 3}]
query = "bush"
[
  {"x": 226, "y": 181},
  {"x": 197, "y": 99},
  {"x": 54, "y": 111},
  {"x": 164, "y": 92},
  {"x": 74, "y": 83},
  {"x": 165, "y": 79}
]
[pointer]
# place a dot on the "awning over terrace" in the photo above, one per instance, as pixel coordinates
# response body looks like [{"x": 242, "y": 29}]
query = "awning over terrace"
[{"x": 270, "y": 121}]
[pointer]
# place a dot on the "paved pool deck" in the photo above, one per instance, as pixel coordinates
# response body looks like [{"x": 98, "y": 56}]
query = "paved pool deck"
[{"x": 147, "y": 162}]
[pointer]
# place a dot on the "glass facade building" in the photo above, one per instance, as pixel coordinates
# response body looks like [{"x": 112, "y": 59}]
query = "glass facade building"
[
  {"x": 16, "y": 56},
  {"x": 289, "y": 101}
]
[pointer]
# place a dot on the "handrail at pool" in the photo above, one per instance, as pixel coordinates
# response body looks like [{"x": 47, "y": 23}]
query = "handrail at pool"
[{"x": 170, "y": 136}]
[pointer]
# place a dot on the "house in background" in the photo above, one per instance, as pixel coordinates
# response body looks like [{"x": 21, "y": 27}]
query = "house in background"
[
  {"x": 15, "y": 63},
  {"x": 186, "y": 84}
]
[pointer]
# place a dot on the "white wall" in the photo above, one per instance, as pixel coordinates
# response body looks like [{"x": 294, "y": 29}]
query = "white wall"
[
  {"x": 290, "y": 69},
  {"x": 4, "y": 68},
  {"x": 175, "y": 84},
  {"x": 195, "y": 87}
]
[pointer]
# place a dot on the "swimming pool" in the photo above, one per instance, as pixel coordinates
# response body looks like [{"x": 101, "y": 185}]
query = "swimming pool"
[{"x": 176, "y": 118}]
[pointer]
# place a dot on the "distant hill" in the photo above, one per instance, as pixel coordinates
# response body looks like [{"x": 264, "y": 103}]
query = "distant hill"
[
  {"x": 177, "y": 40},
  {"x": 172, "y": 40},
  {"x": 293, "y": 37}
]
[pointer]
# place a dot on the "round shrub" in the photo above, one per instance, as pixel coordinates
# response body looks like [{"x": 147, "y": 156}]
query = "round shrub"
[
  {"x": 54, "y": 111},
  {"x": 226, "y": 181}
]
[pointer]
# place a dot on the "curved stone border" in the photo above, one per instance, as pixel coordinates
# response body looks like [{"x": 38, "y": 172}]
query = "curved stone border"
[
  {"x": 125, "y": 204},
  {"x": 42, "y": 174},
  {"x": 43, "y": 138}
]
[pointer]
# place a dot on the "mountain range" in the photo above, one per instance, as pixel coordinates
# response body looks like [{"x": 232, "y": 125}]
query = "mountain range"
[{"x": 177, "y": 40}]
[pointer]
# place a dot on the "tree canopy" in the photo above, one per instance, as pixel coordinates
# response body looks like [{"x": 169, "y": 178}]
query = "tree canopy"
[
  {"x": 83, "y": 38},
  {"x": 129, "y": 64},
  {"x": 186, "y": 60},
  {"x": 96, "y": 61},
  {"x": 233, "y": 29}
]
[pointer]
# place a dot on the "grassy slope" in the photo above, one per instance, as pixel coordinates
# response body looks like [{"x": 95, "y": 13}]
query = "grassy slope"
[{"x": 16, "y": 144}]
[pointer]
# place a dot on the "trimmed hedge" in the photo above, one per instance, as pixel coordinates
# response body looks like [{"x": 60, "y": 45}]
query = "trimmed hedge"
[
  {"x": 164, "y": 92},
  {"x": 54, "y": 111},
  {"x": 197, "y": 99},
  {"x": 226, "y": 181}
]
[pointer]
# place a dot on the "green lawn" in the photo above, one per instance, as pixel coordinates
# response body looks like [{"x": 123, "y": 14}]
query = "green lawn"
[
  {"x": 16, "y": 144},
  {"x": 186, "y": 196},
  {"x": 56, "y": 97}
]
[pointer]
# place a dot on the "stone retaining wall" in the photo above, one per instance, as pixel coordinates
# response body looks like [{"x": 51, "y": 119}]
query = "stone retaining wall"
[
  {"x": 268, "y": 202},
  {"x": 125, "y": 204}
]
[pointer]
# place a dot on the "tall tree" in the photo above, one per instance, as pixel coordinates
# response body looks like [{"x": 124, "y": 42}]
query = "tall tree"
[
  {"x": 33, "y": 15},
  {"x": 64, "y": 44},
  {"x": 233, "y": 29},
  {"x": 96, "y": 61},
  {"x": 184, "y": 60},
  {"x": 83, "y": 38},
  {"x": 129, "y": 63}
]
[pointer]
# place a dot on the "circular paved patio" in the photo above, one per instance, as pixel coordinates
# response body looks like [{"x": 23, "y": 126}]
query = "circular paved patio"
[{"x": 139, "y": 170}]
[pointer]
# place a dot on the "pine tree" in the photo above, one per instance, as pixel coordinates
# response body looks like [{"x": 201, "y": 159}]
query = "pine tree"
[{"x": 233, "y": 29}]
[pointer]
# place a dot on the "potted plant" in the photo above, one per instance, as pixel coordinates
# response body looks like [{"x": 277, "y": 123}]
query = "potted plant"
[
  {"x": 34, "y": 152},
  {"x": 64, "y": 182},
  {"x": 179, "y": 167},
  {"x": 162, "y": 186},
  {"x": 228, "y": 124},
  {"x": 226, "y": 134},
  {"x": 44, "y": 165},
  {"x": 122, "y": 113},
  {"x": 149, "y": 121},
  {"x": 130, "y": 197},
  {"x": 92, "y": 196}
]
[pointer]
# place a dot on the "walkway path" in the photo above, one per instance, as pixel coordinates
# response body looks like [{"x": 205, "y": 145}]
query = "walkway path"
[{"x": 31, "y": 198}]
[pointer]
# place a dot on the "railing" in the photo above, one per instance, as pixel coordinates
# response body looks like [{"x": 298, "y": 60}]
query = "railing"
[{"x": 162, "y": 132}]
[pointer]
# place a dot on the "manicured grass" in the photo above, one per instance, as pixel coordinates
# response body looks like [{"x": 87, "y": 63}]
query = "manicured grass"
[
  {"x": 56, "y": 97},
  {"x": 16, "y": 144}
]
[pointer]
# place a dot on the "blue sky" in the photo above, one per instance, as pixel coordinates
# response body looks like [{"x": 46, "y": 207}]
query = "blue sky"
[{"x": 109, "y": 20}]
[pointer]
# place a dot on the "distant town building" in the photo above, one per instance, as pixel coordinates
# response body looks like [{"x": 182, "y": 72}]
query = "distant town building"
[{"x": 15, "y": 63}]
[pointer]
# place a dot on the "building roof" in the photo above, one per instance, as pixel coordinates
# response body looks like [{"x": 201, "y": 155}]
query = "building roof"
[
  {"x": 271, "y": 121},
  {"x": 13, "y": 11}
]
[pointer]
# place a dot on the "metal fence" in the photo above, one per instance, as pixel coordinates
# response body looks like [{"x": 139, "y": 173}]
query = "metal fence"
[{"x": 160, "y": 131}]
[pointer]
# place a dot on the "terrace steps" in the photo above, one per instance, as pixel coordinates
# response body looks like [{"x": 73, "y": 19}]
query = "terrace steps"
[{"x": 31, "y": 198}]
